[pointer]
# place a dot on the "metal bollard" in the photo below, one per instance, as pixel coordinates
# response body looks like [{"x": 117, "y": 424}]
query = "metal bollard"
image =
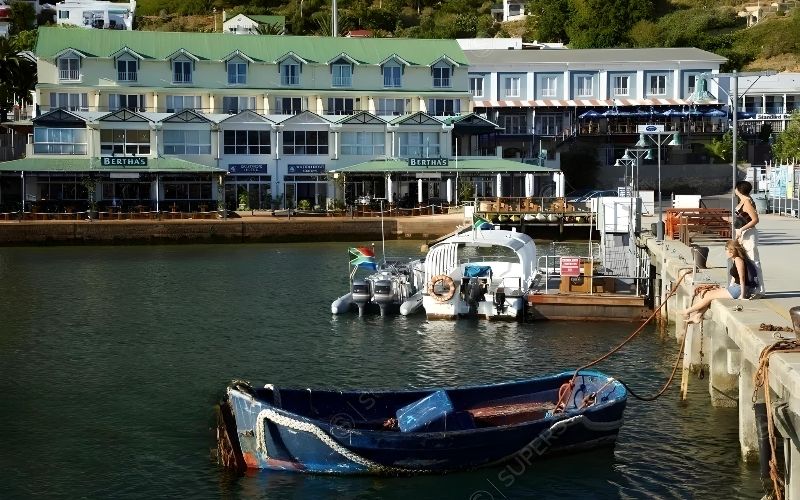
[{"x": 794, "y": 313}]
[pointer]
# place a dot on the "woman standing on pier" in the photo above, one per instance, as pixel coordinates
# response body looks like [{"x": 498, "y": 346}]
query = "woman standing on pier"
[
  {"x": 746, "y": 232},
  {"x": 744, "y": 277}
]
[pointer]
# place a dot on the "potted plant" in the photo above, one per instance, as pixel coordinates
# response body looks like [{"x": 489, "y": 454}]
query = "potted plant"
[
  {"x": 304, "y": 205},
  {"x": 244, "y": 200}
]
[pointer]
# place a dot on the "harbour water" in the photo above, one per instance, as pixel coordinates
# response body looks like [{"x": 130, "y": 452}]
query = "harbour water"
[{"x": 112, "y": 358}]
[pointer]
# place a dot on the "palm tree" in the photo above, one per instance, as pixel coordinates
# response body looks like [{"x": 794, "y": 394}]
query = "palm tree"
[
  {"x": 17, "y": 77},
  {"x": 269, "y": 29}
]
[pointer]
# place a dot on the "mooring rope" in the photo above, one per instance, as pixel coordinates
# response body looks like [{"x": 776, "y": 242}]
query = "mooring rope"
[
  {"x": 761, "y": 379},
  {"x": 566, "y": 389}
]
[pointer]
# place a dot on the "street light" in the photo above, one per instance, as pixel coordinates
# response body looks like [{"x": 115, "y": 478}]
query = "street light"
[
  {"x": 633, "y": 157},
  {"x": 701, "y": 96},
  {"x": 654, "y": 134}
]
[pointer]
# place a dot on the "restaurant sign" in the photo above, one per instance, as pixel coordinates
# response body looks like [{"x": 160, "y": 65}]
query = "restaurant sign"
[
  {"x": 247, "y": 168},
  {"x": 427, "y": 162},
  {"x": 307, "y": 168},
  {"x": 772, "y": 116},
  {"x": 123, "y": 161}
]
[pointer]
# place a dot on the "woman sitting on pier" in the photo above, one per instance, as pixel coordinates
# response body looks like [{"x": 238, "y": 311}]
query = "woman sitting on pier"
[{"x": 741, "y": 267}]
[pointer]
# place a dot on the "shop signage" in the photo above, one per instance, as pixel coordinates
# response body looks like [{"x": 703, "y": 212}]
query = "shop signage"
[
  {"x": 570, "y": 266},
  {"x": 431, "y": 175},
  {"x": 427, "y": 162},
  {"x": 123, "y": 161},
  {"x": 247, "y": 168},
  {"x": 649, "y": 129},
  {"x": 124, "y": 175},
  {"x": 307, "y": 168},
  {"x": 772, "y": 116}
]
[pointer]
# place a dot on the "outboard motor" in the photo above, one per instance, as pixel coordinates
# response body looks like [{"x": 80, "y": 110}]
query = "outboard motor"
[
  {"x": 383, "y": 295},
  {"x": 361, "y": 294},
  {"x": 500, "y": 299}
]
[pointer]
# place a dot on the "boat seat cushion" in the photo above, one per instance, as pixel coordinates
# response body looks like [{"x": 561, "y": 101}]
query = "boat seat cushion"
[{"x": 477, "y": 271}]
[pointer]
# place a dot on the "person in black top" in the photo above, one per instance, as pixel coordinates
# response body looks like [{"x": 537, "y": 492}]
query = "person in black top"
[
  {"x": 746, "y": 232},
  {"x": 738, "y": 288}
]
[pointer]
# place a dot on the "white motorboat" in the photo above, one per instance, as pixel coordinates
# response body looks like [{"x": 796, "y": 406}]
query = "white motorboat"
[
  {"x": 396, "y": 285},
  {"x": 483, "y": 273}
]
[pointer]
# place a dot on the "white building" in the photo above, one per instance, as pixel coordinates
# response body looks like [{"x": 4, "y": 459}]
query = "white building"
[
  {"x": 242, "y": 24},
  {"x": 510, "y": 10},
  {"x": 96, "y": 14}
]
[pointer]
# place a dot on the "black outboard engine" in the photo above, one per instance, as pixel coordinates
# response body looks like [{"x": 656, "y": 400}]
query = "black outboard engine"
[
  {"x": 500, "y": 299},
  {"x": 383, "y": 294},
  {"x": 361, "y": 294}
]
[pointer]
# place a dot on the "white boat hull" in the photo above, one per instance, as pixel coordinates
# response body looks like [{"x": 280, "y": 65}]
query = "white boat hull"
[
  {"x": 512, "y": 309},
  {"x": 342, "y": 304},
  {"x": 411, "y": 305}
]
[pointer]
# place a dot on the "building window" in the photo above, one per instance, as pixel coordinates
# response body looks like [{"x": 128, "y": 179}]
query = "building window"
[
  {"x": 514, "y": 124},
  {"x": 548, "y": 124},
  {"x": 363, "y": 143},
  {"x": 124, "y": 142},
  {"x": 340, "y": 105},
  {"x": 126, "y": 70},
  {"x": 246, "y": 142},
  {"x": 392, "y": 76},
  {"x": 133, "y": 102},
  {"x": 658, "y": 84},
  {"x": 187, "y": 142},
  {"x": 290, "y": 74},
  {"x": 549, "y": 86},
  {"x": 419, "y": 144},
  {"x": 342, "y": 75},
  {"x": 177, "y": 103},
  {"x": 476, "y": 86},
  {"x": 444, "y": 107},
  {"x": 72, "y": 102},
  {"x": 63, "y": 14},
  {"x": 391, "y": 107},
  {"x": 620, "y": 85},
  {"x": 289, "y": 105},
  {"x": 441, "y": 77},
  {"x": 585, "y": 86},
  {"x": 511, "y": 86},
  {"x": 180, "y": 189},
  {"x": 691, "y": 82},
  {"x": 59, "y": 141},
  {"x": 69, "y": 69},
  {"x": 237, "y": 73},
  {"x": 305, "y": 142},
  {"x": 181, "y": 72},
  {"x": 237, "y": 104}
]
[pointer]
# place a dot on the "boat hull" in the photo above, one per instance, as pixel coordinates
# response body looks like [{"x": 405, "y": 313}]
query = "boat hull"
[{"x": 270, "y": 437}]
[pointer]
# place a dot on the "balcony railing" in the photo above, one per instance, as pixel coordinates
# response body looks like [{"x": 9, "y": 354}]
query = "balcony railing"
[
  {"x": 548, "y": 92},
  {"x": 514, "y": 130},
  {"x": 441, "y": 82},
  {"x": 69, "y": 74},
  {"x": 182, "y": 78},
  {"x": 342, "y": 81},
  {"x": 290, "y": 80},
  {"x": 584, "y": 92},
  {"x": 125, "y": 76},
  {"x": 658, "y": 91},
  {"x": 620, "y": 90}
]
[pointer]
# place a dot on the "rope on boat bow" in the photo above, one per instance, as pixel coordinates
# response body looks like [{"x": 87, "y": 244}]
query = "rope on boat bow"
[{"x": 566, "y": 389}]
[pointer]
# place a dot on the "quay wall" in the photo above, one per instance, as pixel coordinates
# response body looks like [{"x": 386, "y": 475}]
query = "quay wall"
[
  {"x": 728, "y": 343},
  {"x": 239, "y": 230}
]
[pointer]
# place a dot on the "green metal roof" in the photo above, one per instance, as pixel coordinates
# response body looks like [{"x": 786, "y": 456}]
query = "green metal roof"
[
  {"x": 281, "y": 20},
  {"x": 158, "y": 45},
  {"x": 79, "y": 165},
  {"x": 487, "y": 166}
]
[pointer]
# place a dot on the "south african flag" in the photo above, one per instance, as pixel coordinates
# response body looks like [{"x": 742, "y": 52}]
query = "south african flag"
[
  {"x": 479, "y": 222},
  {"x": 362, "y": 257}
]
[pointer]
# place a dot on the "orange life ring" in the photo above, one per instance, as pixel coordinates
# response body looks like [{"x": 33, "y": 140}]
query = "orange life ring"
[{"x": 446, "y": 281}]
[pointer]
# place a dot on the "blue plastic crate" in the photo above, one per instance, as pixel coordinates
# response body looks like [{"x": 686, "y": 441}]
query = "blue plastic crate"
[{"x": 427, "y": 410}]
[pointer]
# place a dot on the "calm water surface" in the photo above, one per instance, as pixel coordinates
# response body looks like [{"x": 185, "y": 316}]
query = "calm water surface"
[{"x": 112, "y": 358}]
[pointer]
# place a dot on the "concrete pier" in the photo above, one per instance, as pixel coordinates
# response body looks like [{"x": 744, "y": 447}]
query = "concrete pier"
[{"x": 730, "y": 340}]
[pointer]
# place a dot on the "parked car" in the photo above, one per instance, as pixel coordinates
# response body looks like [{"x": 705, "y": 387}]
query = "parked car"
[{"x": 597, "y": 193}]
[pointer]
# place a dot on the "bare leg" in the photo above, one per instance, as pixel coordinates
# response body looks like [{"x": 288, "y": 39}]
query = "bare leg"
[{"x": 695, "y": 313}]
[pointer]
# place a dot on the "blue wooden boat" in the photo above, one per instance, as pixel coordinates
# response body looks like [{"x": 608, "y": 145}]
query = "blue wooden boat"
[{"x": 417, "y": 431}]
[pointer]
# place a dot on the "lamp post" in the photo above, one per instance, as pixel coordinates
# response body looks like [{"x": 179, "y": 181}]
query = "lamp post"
[
  {"x": 633, "y": 157},
  {"x": 701, "y": 96},
  {"x": 659, "y": 137}
]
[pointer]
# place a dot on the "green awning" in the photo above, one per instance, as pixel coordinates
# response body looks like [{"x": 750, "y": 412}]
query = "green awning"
[
  {"x": 80, "y": 165},
  {"x": 487, "y": 166}
]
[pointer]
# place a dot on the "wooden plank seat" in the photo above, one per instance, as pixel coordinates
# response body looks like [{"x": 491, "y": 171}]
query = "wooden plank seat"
[{"x": 508, "y": 414}]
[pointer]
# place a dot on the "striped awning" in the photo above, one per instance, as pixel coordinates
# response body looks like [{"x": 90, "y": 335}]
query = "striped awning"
[{"x": 574, "y": 103}]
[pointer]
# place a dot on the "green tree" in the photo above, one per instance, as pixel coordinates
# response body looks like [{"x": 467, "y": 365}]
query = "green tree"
[
  {"x": 23, "y": 17},
  {"x": 722, "y": 148},
  {"x": 645, "y": 34},
  {"x": 269, "y": 29},
  {"x": 549, "y": 19},
  {"x": 605, "y": 23},
  {"x": 17, "y": 77},
  {"x": 787, "y": 144}
]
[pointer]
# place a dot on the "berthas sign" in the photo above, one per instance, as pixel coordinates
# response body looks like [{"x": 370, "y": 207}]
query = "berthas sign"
[{"x": 570, "y": 266}]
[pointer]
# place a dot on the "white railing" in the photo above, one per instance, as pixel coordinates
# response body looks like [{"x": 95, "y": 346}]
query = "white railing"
[
  {"x": 69, "y": 74},
  {"x": 342, "y": 81},
  {"x": 290, "y": 80},
  {"x": 584, "y": 92},
  {"x": 548, "y": 92},
  {"x": 658, "y": 91},
  {"x": 441, "y": 82},
  {"x": 126, "y": 76},
  {"x": 620, "y": 90}
]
